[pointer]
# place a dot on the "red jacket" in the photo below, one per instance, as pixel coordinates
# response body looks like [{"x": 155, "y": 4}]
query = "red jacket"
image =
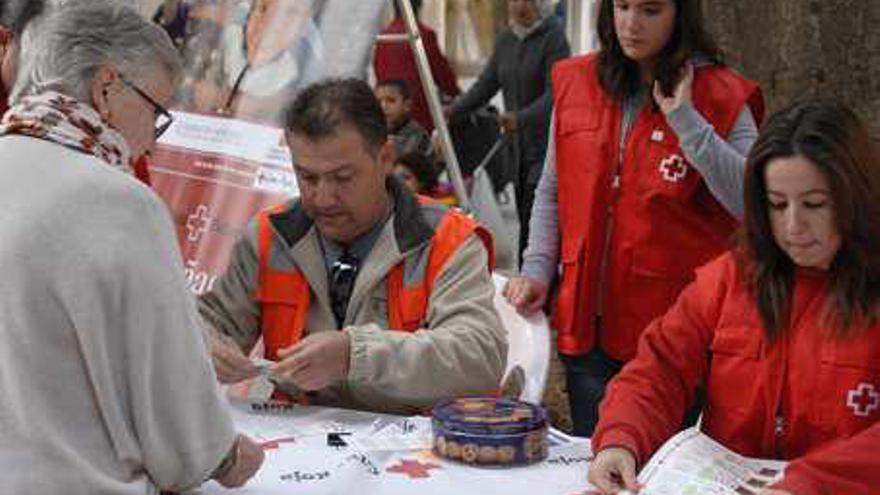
[
  {"x": 395, "y": 60},
  {"x": 628, "y": 250},
  {"x": 810, "y": 397}
]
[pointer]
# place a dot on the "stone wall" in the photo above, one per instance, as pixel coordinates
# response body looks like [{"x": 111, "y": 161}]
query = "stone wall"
[{"x": 805, "y": 48}]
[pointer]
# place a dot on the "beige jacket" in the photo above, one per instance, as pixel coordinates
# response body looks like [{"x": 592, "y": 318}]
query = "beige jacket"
[{"x": 461, "y": 351}]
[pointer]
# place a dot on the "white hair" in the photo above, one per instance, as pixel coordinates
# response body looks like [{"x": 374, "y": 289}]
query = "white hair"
[{"x": 64, "y": 48}]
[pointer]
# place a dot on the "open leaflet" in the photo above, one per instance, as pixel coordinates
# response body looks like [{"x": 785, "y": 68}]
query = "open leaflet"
[{"x": 692, "y": 463}]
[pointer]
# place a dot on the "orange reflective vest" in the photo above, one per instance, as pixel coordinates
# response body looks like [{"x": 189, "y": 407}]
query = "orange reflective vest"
[
  {"x": 633, "y": 222},
  {"x": 284, "y": 295}
]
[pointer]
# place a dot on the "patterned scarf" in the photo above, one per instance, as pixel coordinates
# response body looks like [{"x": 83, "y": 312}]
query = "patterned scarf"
[{"x": 63, "y": 120}]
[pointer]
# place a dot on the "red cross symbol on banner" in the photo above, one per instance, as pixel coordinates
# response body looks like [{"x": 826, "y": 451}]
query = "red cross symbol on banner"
[
  {"x": 197, "y": 223},
  {"x": 863, "y": 400},
  {"x": 673, "y": 168},
  {"x": 413, "y": 469}
]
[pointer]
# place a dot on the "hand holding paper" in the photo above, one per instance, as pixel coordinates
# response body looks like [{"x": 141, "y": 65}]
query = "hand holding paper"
[
  {"x": 614, "y": 469},
  {"x": 319, "y": 360},
  {"x": 230, "y": 363}
]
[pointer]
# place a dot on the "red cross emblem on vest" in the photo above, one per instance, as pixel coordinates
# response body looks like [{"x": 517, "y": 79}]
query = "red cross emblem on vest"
[
  {"x": 863, "y": 400},
  {"x": 413, "y": 469},
  {"x": 673, "y": 168},
  {"x": 197, "y": 223}
]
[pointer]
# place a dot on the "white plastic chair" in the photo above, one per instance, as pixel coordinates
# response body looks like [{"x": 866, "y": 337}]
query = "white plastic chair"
[{"x": 528, "y": 340}]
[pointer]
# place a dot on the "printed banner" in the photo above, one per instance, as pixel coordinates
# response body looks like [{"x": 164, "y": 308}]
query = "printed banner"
[
  {"x": 215, "y": 174},
  {"x": 224, "y": 158}
]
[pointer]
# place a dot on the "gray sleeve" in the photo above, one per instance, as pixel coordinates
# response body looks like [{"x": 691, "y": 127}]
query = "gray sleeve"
[
  {"x": 721, "y": 162},
  {"x": 482, "y": 90},
  {"x": 229, "y": 307},
  {"x": 178, "y": 411},
  {"x": 541, "y": 256}
]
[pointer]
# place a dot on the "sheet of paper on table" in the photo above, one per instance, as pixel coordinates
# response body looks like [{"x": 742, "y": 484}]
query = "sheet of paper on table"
[{"x": 692, "y": 463}]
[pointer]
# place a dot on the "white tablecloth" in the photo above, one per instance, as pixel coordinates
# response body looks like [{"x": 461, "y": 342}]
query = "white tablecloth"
[{"x": 386, "y": 455}]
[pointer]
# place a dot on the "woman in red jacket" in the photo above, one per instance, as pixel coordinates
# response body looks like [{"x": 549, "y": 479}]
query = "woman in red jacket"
[
  {"x": 784, "y": 331},
  {"x": 642, "y": 184}
]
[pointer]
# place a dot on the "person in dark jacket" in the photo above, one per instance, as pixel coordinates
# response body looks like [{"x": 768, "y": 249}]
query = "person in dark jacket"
[
  {"x": 407, "y": 135},
  {"x": 520, "y": 68}
]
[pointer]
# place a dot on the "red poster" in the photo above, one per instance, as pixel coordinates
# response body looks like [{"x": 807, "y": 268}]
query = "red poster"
[{"x": 215, "y": 174}]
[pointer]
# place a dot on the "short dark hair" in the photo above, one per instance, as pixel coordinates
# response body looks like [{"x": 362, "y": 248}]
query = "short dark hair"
[
  {"x": 619, "y": 75},
  {"x": 416, "y": 6},
  {"x": 16, "y": 14},
  {"x": 831, "y": 137},
  {"x": 400, "y": 85},
  {"x": 422, "y": 166},
  {"x": 321, "y": 108}
]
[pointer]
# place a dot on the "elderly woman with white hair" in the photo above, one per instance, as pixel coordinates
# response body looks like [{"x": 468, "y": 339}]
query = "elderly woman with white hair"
[
  {"x": 520, "y": 68},
  {"x": 106, "y": 383}
]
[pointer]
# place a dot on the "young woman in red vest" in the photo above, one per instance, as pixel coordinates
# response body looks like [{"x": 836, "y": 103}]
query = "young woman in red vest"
[
  {"x": 784, "y": 330},
  {"x": 643, "y": 183}
]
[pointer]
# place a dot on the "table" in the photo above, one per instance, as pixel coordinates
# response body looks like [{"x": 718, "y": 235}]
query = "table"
[{"x": 384, "y": 454}]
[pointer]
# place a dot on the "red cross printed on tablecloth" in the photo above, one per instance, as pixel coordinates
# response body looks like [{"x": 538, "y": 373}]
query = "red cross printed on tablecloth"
[
  {"x": 673, "y": 168},
  {"x": 863, "y": 400},
  {"x": 197, "y": 223},
  {"x": 275, "y": 443},
  {"x": 413, "y": 469}
]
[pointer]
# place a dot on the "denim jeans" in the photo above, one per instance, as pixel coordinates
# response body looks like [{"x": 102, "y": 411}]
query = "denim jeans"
[{"x": 587, "y": 376}]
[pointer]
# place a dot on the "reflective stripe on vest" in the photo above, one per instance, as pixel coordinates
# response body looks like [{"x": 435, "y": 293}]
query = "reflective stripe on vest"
[{"x": 284, "y": 296}]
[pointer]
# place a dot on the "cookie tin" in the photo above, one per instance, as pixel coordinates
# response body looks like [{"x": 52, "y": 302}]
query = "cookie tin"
[{"x": 490, "y": 431}]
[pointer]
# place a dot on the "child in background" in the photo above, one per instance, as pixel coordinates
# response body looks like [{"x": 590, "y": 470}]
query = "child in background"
[
  {"x": 420, "y": 174},
  {"x": 407, "y": 135}
]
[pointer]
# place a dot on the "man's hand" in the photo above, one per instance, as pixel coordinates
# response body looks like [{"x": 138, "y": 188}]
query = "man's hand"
[
  {"x": 508, "y": 123},
  {"x": 247, "y": 457},
  {"x": 614, "y": 469},
  {"x": 681, "y": 94},
  {"x": 230, "y": 362},
  {"x": 317, "y": 361},
  {"x": 525, "y": 294}
]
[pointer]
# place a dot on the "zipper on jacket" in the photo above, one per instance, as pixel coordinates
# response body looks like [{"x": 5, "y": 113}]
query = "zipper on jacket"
[
  {"x": 625, "y": 129},
  {"x": 606, "y": 243},
  {"x": 609, "y": 229}
]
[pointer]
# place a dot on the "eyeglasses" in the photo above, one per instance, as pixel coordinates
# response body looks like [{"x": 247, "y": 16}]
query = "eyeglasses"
[{"x": 162, "y": 116}]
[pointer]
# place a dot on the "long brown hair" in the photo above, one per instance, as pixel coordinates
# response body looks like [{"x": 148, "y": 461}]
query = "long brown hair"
[
  {"x": 837, "y": 143},
  {"x": 619, "y": 75}
]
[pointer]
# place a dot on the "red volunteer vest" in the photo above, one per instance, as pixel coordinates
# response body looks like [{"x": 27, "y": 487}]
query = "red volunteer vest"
[
  {"x": 285, "y": 295},
  {"x": 627, "y": 251}
]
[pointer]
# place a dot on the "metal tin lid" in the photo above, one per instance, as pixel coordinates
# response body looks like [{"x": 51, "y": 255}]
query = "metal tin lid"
[{"x": 488, "y": 416}]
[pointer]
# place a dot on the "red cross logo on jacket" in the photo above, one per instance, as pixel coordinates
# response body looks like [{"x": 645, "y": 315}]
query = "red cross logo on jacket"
[
  {"x": 863, "y": 400},
  {"x": 673, "y": 168}
]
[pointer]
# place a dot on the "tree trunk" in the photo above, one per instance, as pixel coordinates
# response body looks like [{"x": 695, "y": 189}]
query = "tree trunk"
[{"x": 804, "y": 48}]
